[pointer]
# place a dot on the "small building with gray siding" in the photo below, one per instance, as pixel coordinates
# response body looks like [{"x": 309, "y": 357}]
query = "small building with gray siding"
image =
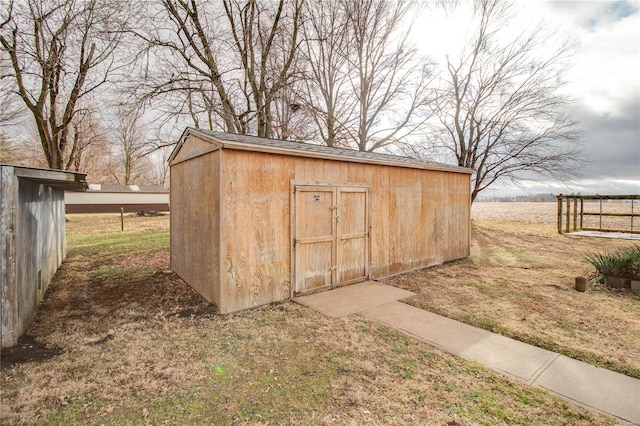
[{"x": 33, "y": 240}]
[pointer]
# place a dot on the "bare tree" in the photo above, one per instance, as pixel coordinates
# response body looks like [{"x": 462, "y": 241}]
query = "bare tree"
[
  {"x": 11, "y": 112},
  {"x": 131, "y": 165},
  {"x": 261, "y": 36},
  {"x": 389, "y": 80},
  {"x": 60, "y": 52},
  {"x": 325, "y": 49},
  {"x": 500, "y": 111},
  {"x": 91, "y": 146},
  {"x": 224, "y": 63},
  {"x": 8, "y": 152},
  {"x": 367, "y": 85},
  {"x": 159, "y": 173}
]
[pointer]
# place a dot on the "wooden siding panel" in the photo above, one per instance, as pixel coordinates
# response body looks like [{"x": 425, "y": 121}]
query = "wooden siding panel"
[
  {"x": 417, "y": 218},
  {"x": 460, "y": 214},
  {"x": 8, "y": 289},
  {"x": 313, "y": 266},
  {"x": 195, "y": 223},
  {"x": 405, "y": 229},
  {"x": 193, "y": 147},
  {"x": 380, "y": 217},
  {"x": 353, "y": 239},
  {"x": 256, "y": 226},
  {"x": 33, "y": 248}
]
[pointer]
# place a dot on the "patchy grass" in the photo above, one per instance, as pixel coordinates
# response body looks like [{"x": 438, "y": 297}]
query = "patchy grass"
[
  {"x": 140, "y": 347},
  {"x": 519, "y": 282}
]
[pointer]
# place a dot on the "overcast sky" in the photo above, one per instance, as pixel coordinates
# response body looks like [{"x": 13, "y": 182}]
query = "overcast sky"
[{"x": 605, "y": 81}]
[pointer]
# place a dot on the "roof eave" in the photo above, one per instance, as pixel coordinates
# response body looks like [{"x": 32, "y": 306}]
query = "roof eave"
[
  {"x": 321, "y": 155},
  {"x": 183, "y": 138},
  {"x": 285, "y": 151},
  {"x": 60, "y": 179}
]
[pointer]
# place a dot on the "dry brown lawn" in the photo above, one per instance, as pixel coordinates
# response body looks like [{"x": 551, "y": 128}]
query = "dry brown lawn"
[
  {"x": 519, "y": 282},
  {"x": 131, "y": 343}
]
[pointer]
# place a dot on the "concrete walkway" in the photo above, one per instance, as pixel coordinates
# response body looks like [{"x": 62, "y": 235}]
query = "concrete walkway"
[
  {"x": 598, "y": 234},
  {"x": 575, "y": 381}
]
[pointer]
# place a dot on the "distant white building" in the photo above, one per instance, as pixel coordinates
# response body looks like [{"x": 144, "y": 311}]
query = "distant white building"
[{"x": 111, "y": 198}]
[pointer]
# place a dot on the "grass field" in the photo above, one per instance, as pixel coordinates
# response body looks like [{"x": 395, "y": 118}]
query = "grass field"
[
  {"x": 519, "y": 282},
  {"x": 131, "y": 343}
]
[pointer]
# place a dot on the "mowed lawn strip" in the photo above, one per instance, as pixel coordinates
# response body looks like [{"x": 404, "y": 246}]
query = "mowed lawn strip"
[
  {"x": 140, "y": 347},
  {"x": 519, "y": 282}
]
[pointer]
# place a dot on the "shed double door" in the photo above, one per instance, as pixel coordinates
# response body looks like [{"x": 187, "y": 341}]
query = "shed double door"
[{"x": 331, "y": 237}]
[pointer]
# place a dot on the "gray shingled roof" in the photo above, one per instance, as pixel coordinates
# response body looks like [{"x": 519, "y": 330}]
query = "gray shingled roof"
[{"x": 232, "y": 140}]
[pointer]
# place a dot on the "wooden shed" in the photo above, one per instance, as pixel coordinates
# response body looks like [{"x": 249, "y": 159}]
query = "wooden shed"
[
  {"x": 33, "y": 243},
  {"x": 255, "y": 220}
]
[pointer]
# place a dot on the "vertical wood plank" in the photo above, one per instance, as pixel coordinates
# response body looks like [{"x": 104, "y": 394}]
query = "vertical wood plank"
[
  {"x": 314, "y": 238},
  {"x": 8, "y": 309},
  {"x": 195, "y": 223},
  {"x": 33, "y": 247},
  {"x": 256, "y": 229},
  {"x": 352, "y": 236},
  {"x": 381, "y": 214}
]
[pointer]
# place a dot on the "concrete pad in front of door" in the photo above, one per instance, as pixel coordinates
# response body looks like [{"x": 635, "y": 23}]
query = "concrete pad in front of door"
[{"x": 353, "y": 298}]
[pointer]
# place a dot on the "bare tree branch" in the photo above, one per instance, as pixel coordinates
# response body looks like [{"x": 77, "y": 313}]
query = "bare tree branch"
[
  {"x": 60, "y": 51},
  {"x": 367, "y": 86},
  {"x": 228, "y": 61},
  {"x": 500, "y": 110}
]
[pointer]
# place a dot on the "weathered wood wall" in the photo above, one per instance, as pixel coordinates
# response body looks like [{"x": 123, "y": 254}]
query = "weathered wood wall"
[
  {"x": 33, "y": 247},
  {"x": 419, "y": 218},
  {"x": 8, "y": 289},
  {"x": 231, "y": 218},
  {"x": 195, "y": 223},
  {"x": 256, "y": 228}
]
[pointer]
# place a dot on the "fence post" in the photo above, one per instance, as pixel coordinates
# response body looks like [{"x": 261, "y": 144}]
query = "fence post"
[
  {"x": 575, "y": 213},
  {"x": 567, "y": 228},
  {"x": 581, "y": 211},
  {"x": 560, "y": 214},
  {"x": 633, "y": 201},
  {"x": 600, "y": 226}
]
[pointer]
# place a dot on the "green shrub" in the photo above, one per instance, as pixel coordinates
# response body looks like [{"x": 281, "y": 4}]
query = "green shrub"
[{"x": 621, "y": 263}]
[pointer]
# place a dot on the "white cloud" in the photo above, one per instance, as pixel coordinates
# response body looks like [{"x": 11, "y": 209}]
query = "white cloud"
[
  {"x": 604, "y": 80},
  {"x": 607, "y": 63},
  {"x": 583, "y": 186}
]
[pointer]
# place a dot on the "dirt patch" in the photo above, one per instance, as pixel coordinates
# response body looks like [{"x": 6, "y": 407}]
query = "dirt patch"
[
  {"x": 28, "y": 350},
  {"x": 149, "y": 213}
]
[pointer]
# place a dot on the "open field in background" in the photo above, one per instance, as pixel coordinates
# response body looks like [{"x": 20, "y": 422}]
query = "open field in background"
[
  {"x": 138, "y": 346},
  {"x": 548, "y": 213},
  {"x": 516, "y": 212},
  {"x": 519, "y": 282}
]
